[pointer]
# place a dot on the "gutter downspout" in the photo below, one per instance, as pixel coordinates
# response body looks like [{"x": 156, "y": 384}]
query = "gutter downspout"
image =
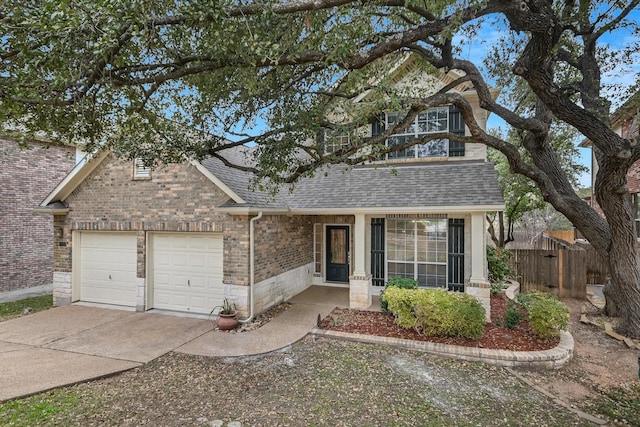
[{"x": 251, "y": 266}]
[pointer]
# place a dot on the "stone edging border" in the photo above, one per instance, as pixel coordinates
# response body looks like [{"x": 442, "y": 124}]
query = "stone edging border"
[
  {"x": 547, "y": 359},
  {"x": 553, "y": 358}
]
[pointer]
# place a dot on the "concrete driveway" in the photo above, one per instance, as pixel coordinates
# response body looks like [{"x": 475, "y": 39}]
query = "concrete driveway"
[{"x": 65, "y": 345}]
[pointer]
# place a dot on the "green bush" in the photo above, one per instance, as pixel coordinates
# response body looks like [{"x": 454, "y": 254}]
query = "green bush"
[
  {"x": 547, "y": 315},
  {"x": 497, "y": 287},
  {"x": 396, "y": 282},
  {"x": 497, "y": 262},
  {"x": 436, "y": 312},
  {"x": 511, "y": 318}
]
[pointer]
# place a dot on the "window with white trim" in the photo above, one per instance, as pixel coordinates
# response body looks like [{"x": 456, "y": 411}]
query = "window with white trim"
[
  {"x": 317, "y": 248},
  {"x": 417, "y": 249},
  {"x": 140, "y": 171},
  {"x": 335, "y": 140},
  {"x": 433, "y": 120}
]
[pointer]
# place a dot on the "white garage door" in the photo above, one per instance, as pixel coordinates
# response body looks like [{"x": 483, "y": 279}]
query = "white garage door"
[
  {"x": 108, "y": 268},
  {"x": 187, "y": 272}
]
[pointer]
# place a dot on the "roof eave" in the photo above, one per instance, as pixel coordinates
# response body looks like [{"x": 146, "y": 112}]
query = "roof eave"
[
  {"x": 218, "y": 182},
  {"x": 74, "y": 178},
  {"x": 50, "y": 211},
  {"x": 248, "y": 210}
]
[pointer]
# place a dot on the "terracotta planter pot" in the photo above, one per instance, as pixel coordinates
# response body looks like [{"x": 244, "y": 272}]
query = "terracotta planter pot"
[{"x": 227, "y": 322}]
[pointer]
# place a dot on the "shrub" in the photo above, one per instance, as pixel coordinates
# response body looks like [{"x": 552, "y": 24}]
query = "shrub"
[
  {"x": 396, "y": 282},
  {"x": 547, "y": 315},
  {"x": 436, "y": 312},
  {"x": 511, "y": 318},
  {"x": 496, "y": 288},
  {"x": 497, "y": 262}
]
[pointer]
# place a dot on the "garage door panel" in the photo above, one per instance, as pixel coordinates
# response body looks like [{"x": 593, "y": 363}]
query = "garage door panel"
[
  {"x": 187, "y": 272},
  {"x": 108, "y": 268},
  {"x": 198, "y": 261}
]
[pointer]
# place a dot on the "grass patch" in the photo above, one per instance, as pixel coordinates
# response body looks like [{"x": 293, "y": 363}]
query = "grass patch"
[
  {"x": 9, "y": 310},
  {"x": 622, "y": 404},
  {"x": 37, "y": 410}
]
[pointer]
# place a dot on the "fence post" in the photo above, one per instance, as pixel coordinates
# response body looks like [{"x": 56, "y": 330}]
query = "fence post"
[{"x": 560, "y": 272}]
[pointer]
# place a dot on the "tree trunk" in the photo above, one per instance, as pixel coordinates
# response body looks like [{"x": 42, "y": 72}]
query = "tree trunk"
[
  {"x": 499, "y": 239},
  {"x": 622, "y": 293}
]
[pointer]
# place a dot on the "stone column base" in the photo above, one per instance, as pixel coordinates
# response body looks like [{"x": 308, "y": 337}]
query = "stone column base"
[
  {"x": 360, "y": 292},
  {"x": 61, "y": 288},
  {"x": 482, "y": 292},
  {"x": 140, "y": 294}
]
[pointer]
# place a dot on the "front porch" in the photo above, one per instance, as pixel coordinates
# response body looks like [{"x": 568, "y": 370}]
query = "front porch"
[
  {"x": 330, "y": 296},
  {"x": 360, "y": 252}
]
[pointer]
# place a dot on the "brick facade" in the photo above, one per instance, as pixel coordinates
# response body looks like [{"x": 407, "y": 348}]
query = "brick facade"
[
  {"x": 177, "y": 198},
  {"x": 26, "y": 178},
  {"x": 282, "y": 244}
]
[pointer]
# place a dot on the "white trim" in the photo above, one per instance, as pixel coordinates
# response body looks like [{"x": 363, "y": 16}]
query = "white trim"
[
  {"x": 415, "y": 262},
  {"x": 228, "y": 191},
  {"x": 140, "y": 171},
  {"x": 76, "y": 243},
  {"x": 315, "y": 243},
  {"x": 75, "y": 177}
]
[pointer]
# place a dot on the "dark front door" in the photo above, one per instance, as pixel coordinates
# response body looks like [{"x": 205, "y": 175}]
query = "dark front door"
[{"x": 338, "y": 253}]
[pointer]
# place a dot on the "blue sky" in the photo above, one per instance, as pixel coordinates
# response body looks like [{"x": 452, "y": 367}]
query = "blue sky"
[{"x": 621, "y": 77}]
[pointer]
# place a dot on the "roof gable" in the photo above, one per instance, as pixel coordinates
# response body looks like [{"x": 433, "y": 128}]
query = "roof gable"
[{"x": 89, "y": 163}]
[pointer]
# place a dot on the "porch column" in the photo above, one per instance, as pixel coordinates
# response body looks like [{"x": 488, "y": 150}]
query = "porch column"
[
  {"x": 478, "y": 283},
  {"x": 360, "y": 281}
]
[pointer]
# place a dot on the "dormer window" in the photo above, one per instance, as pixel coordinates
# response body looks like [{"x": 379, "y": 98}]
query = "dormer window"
[{"x": 140, "y": 171}]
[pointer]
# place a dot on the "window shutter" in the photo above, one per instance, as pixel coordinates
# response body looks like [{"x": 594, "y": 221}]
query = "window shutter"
[
  {"x": 320, "y": 139},
  {"x": 456, "y": 126},
  {"x": 377, "y": 251},
  {"x": 455, "y": 263}
]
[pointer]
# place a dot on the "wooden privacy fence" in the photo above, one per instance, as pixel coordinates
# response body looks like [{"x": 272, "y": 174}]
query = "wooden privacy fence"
[
  {"x": 562, "y": 271},
  {"x": 597, "y": 268}
]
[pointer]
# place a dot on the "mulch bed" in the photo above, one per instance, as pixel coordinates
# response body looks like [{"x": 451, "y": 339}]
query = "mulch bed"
[{"x": 520, "y": 338}]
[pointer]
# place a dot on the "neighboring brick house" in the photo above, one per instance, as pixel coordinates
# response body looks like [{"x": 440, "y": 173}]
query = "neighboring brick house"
[
  {"x": 27, "y": 175},
  {"x": 184, "y": 236},
  {"x": 625, "y": 122}
]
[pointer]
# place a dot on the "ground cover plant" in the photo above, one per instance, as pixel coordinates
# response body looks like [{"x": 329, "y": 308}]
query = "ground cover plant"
[{"x": 9, "y": 310}]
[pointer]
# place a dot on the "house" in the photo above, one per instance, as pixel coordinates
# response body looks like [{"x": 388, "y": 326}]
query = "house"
[
  {"x": 183, "y": 237},
  {"x": 624, "y": 121},
  {"x": 27, "y": 175}
]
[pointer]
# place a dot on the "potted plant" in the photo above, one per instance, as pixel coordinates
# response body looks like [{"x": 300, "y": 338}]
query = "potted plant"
[{"x": 227, "y": 315}]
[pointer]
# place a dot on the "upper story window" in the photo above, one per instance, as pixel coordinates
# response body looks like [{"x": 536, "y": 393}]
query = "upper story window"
[
  {"x": 334, "y": 141},
  {"x": 431, "y": 121},
  {"x": 140, "y": 171},
  {"x": 434, "y": 120}
]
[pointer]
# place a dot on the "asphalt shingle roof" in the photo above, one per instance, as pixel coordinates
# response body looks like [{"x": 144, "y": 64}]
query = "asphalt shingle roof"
[{"x": 425, "y": 185}]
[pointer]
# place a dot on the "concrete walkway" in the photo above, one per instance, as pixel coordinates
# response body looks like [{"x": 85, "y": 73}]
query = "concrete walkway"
[{"x": 76, "y": 343}]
